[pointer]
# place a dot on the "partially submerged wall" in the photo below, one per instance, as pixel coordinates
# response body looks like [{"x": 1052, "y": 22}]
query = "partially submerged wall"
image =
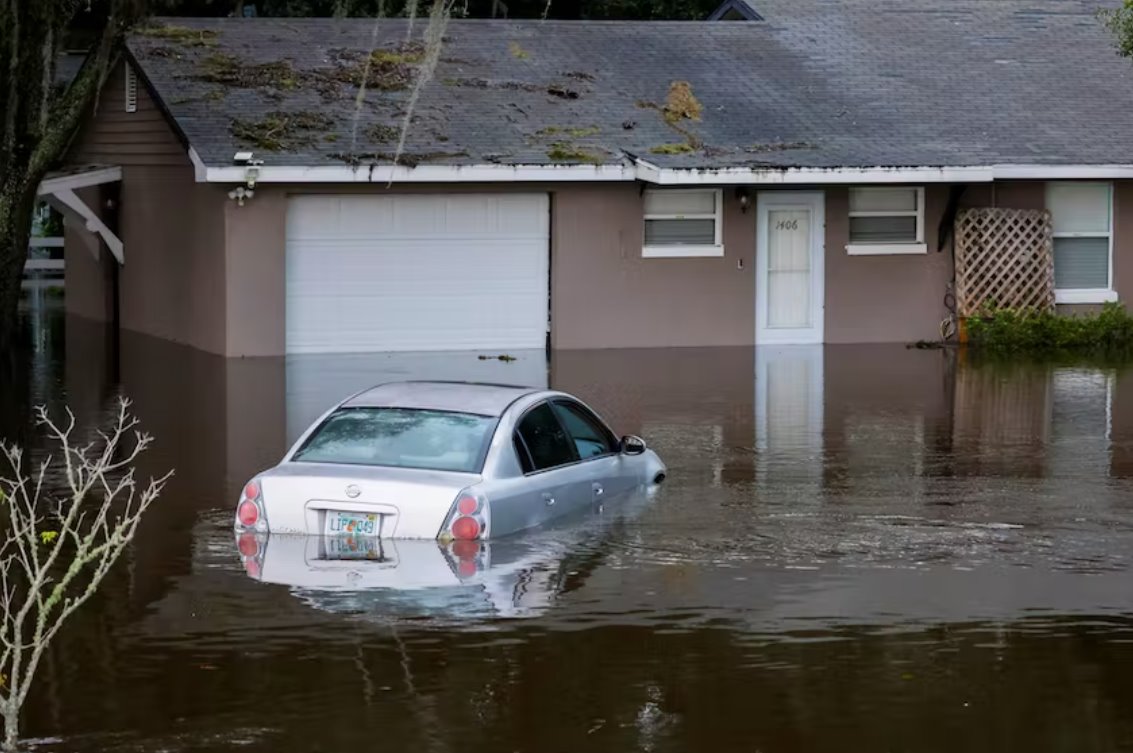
[{"x": 172, "y": 282}]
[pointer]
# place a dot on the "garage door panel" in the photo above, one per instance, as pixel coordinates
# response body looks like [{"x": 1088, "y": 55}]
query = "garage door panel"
[
  {"x": 523, "y": 215},
  {"x": 416, "y": 272},
  {"x": 501, "y": 265}
]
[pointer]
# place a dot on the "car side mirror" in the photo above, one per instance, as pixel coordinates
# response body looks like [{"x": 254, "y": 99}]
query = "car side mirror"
[{"x": 632, "y": 445}]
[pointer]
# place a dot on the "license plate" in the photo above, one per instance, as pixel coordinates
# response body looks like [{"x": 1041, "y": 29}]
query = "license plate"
[
  {"x": 353, "y": 548},
  {"x": 352, "y": 523}
]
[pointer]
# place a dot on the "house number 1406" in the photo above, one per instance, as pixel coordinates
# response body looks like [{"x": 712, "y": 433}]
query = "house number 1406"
[{"x": 787, "y": 225}]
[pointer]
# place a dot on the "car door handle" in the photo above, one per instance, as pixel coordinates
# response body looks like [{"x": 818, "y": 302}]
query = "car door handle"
[
  {"x": 549, "y": 498},
  {"x": 598, "y": 491}
]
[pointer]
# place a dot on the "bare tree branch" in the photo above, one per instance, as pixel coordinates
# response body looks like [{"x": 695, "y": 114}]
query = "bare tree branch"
[{"x": 50, "y": 565}]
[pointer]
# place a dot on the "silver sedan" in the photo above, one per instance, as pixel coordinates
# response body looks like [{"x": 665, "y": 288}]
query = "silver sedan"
[{"x": 445, "y": 460}]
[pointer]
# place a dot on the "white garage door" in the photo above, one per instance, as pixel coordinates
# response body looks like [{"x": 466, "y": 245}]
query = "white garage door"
[{"x": 417, "y": 272}]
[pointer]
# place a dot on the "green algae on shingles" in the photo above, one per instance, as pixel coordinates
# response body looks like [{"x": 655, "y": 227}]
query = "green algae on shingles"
[
  {"x": 383, "y": 70},
  {"x": 282, "y": 131},
  {"x": 563, "y": 152},
  {"x": 574, "y": 132},
  {"x": 680, "y": 105},
  {"x": 228, "y": 70},
  {"x": 410, "y": 53},
  {"x": 212, "y": 95},
  {"x": 382, "y": 134},
  {"x": 681, "y": 148},
  {"x": 179, "y": 35}
]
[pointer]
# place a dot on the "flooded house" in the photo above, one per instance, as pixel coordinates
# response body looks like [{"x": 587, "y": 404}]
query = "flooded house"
[{"x": 244, "y": 186}]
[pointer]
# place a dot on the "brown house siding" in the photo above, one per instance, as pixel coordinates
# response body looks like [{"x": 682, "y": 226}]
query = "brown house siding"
[
  {"x": 1018, "y": 194},
  {"x": 898, "y": 298},
  {"x": 172, "y": 228},
  {"x": 605, "y": 295},
  {"x": 88, "y": 267},
  {"x": 115, "y": 137},
  {"x": 255, "y": 275}
]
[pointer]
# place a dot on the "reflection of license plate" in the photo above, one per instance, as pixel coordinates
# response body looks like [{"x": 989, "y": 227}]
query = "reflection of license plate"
[
  {"x": 351, "y": 523},
  {"x": 353, "y": 548}
]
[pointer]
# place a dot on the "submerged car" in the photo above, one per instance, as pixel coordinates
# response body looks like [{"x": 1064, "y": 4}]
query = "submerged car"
[
  {"x": 515, "y": 576},
  {"x": 445, "y": 460}
]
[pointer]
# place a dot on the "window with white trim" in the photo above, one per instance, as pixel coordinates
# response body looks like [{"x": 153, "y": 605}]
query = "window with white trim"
[
  {"x": 683, "y": 222},
  {"x": 887, "y": 220},
  {"x": 1082, "y": 220}
]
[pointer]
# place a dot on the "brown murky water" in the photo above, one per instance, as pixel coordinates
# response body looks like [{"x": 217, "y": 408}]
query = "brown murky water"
[{"x": 858, "y": 549}]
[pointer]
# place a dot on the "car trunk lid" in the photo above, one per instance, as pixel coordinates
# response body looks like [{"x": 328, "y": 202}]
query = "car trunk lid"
[{"x": 322, "y": 499}]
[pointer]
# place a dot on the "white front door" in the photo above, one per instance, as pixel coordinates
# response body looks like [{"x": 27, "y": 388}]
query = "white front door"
[{"x": 789, "y": 268}]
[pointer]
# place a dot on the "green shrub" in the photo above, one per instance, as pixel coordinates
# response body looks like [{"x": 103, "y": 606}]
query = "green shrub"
[{"x": 1105, "y": 332}]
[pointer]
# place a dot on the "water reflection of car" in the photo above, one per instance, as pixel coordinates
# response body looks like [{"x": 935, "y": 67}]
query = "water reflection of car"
[
  {"x": 510, "y": 577},
  {"x": 447, "y": 460}
]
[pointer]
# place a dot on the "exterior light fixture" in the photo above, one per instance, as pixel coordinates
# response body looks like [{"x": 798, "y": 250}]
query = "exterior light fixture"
[
  {"x": 241, "y": 194},
  {"x": 743, "y": 197}
]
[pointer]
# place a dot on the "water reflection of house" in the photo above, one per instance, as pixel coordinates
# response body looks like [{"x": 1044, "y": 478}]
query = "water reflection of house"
[
  {"x": 865, "y": 415},
  {"x": 690, "y": 399},
  {"x": 1002, "y": 418},
  {"x": 1121, "y": 425},
  {"x": 1023, "y": 419}
]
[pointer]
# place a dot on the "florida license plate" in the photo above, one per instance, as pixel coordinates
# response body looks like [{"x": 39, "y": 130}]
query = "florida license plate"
[
  {"x": 352, "y": 524},
  {"x": 353, "y": 548}
]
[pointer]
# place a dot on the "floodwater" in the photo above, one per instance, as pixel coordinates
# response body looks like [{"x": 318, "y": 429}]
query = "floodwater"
[{"x": 857, "y": 549}]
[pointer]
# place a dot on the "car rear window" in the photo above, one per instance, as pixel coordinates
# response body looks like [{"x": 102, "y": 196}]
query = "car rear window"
[{"x": 400, "y": 438}]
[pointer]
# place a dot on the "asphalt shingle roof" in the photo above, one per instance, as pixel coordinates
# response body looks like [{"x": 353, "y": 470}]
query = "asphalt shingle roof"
[{"x": 819, "y": 83}]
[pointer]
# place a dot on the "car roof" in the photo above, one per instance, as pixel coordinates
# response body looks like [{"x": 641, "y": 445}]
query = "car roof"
[{"x": 460, "y": 397}]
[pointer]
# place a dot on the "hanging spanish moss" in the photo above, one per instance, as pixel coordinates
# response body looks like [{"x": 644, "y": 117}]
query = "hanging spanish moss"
[{"x": 434, "y": 41}]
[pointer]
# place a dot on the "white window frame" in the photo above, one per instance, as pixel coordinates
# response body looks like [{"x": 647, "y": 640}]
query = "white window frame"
[
  {"x": 1088, "y": 295},
  {"x": 879, "y": 249},
  {"x": 131, "y": 93},
  {"x": 678, "y": 251}
]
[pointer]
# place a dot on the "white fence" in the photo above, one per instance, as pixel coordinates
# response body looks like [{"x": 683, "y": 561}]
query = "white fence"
[{"x": 41, "y": 271}]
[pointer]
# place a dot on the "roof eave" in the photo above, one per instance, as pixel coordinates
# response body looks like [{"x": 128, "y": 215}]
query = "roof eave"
[{"x": 647, "y": 172}]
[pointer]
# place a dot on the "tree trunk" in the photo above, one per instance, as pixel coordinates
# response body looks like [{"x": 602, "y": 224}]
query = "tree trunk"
[
  {"x": 16, "y": 206},
  {"x": 11, "y": 729}
]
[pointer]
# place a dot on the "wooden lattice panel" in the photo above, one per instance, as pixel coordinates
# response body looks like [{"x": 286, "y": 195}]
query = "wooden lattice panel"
[{"x": 1005, "y": 259}]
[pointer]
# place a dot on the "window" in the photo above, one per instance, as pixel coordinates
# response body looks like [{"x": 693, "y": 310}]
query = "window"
[
  {"x": 434, "y": 440},
  {"x": 131, "y": 90},
  {"x": 886, "y": 220},
  {"x": 1082, "y": 218},
  {"x": 683, "y": 223},
  {"x": 545, "y": 440},
  {"x": 591, "y": 438},
  {"x": 522, "y": 455}
]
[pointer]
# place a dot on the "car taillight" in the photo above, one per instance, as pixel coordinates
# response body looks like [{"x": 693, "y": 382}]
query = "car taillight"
[
  {"x": 468, "y": 519},
  {"x": 248, "y": 513},
  {"x": 467, "y": 505},
  {"x": 248, "y": 545},
  {"x": 465, "y": 549},
  {"x": 466, "y": 528}
]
